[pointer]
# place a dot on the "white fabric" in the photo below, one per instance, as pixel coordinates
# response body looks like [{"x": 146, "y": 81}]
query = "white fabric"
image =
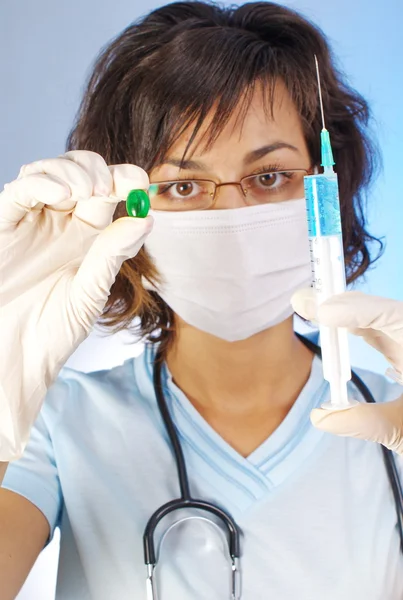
[
  {"x": 316, "y": 511},
  {"x": 231, "y": 273},
  {"x": 60, "y": 254}
]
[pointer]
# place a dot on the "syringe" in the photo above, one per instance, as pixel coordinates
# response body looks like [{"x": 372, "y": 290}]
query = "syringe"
[{"x": 327, "y": 260}]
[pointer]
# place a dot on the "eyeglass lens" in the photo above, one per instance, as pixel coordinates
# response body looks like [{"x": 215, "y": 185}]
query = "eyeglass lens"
[{"x": 199, "y": 194}]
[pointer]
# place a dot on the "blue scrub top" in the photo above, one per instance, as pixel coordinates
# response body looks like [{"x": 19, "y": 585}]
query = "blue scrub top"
[{"x": 316, "y": 511}]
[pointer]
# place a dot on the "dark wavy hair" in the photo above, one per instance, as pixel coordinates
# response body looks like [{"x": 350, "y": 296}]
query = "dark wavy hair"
[{"x": 169, "y": 69}]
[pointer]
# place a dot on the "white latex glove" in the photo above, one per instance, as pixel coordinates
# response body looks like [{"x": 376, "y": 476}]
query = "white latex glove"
[
  {"x": 59, "y": 256},
  {"x": 380, "y": 322}
]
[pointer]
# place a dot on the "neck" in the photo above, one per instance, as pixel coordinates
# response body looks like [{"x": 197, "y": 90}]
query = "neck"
[{"x": 263, "y": 373}]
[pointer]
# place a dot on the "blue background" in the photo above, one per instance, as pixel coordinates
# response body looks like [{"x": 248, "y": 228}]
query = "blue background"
[{"x": 48, "y": 47}]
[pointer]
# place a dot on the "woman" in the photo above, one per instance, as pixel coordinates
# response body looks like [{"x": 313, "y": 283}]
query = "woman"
[{"x": 219, "y": 107}]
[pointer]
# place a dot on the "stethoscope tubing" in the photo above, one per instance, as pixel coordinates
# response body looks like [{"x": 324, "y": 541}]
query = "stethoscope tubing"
[{"x": 186, "y": 501}]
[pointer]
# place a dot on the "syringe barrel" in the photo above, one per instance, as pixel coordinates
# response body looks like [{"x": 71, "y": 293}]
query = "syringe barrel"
[
  {"x": 323, "y": 205},
  {"x": 328, "y": 269}
]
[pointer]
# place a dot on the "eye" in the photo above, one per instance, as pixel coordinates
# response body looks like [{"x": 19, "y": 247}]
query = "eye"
[
  {"x": 274, "y": 186},
  {"x": 184, "y": 188},
  {"x": 184, "y": 194},
  {"x": 177, "y": 190},
  {"x": 269, "y": 180}
]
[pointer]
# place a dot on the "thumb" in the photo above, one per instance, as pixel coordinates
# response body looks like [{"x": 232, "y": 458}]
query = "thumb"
[
  {"x": 304, "y": 302},
  {"x": 381, "y": 423},
  {"x": 118, "y": 242}
]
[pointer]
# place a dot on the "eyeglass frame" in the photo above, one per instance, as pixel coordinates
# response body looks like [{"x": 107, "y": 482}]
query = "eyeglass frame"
[{"x": 308, "y": 172}]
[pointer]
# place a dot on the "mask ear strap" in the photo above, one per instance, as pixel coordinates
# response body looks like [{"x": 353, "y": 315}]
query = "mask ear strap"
[{"x": 316, "y": 170}]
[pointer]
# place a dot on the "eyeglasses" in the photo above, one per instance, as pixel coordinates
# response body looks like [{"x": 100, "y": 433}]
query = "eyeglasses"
[{"x": 201, "y": 194}]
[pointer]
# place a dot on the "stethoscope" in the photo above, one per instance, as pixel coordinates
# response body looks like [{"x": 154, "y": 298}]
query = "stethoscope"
[{"x": 187, "y": 501}]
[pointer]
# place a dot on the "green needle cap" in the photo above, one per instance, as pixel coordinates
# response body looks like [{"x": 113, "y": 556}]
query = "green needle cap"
[{"x": 137, "y": 204}]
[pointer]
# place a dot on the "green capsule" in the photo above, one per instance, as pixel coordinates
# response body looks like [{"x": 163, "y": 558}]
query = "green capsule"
[{"x": 137, "y": 204}]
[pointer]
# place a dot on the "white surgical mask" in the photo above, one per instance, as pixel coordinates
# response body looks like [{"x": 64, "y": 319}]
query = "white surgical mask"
[{"x": 232, "y": 272}]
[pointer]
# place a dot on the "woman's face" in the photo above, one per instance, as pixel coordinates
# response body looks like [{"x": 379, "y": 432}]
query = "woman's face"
[{"x": 256, "y": 145}]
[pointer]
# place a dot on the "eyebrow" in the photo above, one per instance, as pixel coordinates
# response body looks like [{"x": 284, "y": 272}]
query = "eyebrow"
[{"x": 250, "y": 158}]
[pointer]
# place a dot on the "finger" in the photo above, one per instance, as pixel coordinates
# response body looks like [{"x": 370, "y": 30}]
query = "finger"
[
  {"x": 123, "y": 179},
  {"x": 381, "y": 423},
  {"x": 92, "y": 283},
  {"x": 378, "y": 320},
  {"x": 388, "y": 341},
  {"x": 356, "y": 310},
  {"x": 77, "y": 179},
  {"x": 100, "y": 210},
  {"x": 23, "y": 196},
  {"x": 126, "y": 178},
  {"x": 304, "y": 302},
  {"x": 95, "y": 167}
]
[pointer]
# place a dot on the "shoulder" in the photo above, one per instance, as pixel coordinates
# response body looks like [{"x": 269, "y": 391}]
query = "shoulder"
[
  {"x": 86, "y": 381},
  {"x": 82, "y": 392}
]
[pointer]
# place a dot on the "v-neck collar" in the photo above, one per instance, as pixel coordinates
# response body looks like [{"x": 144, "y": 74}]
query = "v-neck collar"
[{"x": 244, "y": 480}]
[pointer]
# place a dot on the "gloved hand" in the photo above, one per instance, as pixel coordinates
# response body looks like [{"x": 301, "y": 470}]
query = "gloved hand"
[
  {"x": 59, "y": 256},
  {"x": 380, "y": 322}
]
